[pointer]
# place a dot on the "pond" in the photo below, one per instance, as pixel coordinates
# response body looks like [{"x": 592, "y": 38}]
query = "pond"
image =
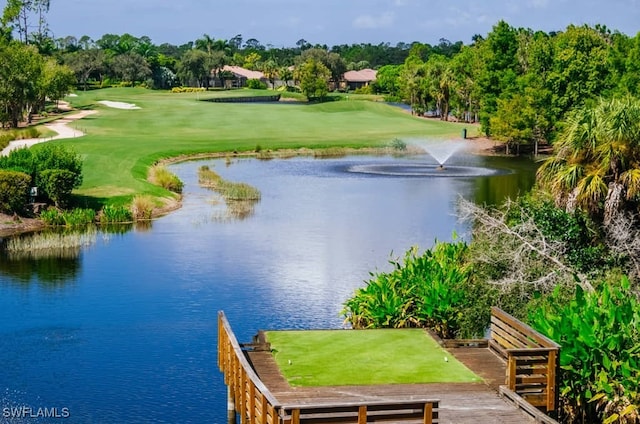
[{"x": 125, "y": 330}]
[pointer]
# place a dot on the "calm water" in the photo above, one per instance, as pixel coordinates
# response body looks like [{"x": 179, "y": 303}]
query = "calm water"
[{"x": 126, "y": 330}]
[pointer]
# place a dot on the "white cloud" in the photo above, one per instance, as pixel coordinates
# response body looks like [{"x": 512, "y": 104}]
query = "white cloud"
[{"x": 383, "y": 20}]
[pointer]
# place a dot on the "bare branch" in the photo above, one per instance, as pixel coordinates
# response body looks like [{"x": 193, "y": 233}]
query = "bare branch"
[{"x": 519, "y": 250}]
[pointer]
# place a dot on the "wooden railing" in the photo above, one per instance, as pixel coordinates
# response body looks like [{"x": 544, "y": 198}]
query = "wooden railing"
[
  {"x": 417, "y": 412},
  {"x": 247, "y": 394},
  {"x": 250, "y": 398},
  {"x": 532, "y": 359}
]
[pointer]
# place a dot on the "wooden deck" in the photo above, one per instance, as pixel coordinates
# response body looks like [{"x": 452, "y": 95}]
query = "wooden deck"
[{"x": 460, "y": 403}]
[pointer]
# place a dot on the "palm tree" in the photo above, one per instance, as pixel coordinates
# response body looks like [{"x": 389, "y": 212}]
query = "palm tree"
[{"x": 597, "y": 164}]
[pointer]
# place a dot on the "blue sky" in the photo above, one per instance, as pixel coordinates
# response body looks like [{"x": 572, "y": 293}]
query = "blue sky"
[{"x": 283, "y": 22}]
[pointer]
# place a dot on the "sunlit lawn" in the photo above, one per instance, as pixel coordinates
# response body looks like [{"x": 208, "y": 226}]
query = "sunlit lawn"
[
  {"x": 120, "y": 144},
  {"x": 364, "y": 357}
]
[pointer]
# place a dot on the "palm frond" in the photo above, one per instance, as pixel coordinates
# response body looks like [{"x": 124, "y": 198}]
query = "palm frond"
[
  {"x": 631, "y": 180},
  {"x": 592, "y": 189}
]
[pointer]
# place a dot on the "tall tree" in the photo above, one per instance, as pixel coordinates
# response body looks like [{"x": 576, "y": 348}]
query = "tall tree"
[
  {"x": 20, "y": 71},
  {"x": 86, "y": 63},
  {"x": 194, "y": 67},
  {"x": 131, "y": 67},
  {"x": 313, "y": 76}
]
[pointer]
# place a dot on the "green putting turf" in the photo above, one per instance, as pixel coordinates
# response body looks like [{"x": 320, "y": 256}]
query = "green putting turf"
[{"x": 364, "y": 357}]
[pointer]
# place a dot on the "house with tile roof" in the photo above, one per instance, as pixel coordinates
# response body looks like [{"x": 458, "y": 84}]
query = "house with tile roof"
[{"x": 352, "y": 80}]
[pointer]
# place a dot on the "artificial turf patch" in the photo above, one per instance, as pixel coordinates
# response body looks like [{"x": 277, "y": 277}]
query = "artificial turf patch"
[{"x": 364, "y": 357}]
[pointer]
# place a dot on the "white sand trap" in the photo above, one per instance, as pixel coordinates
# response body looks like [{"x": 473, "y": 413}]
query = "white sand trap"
[
  {"x": 72, "y": 95},
  {"x": 118, "y": 105}
]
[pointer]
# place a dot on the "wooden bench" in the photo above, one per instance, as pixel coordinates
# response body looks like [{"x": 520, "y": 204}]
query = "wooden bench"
[{"x": 532, "y": 359}]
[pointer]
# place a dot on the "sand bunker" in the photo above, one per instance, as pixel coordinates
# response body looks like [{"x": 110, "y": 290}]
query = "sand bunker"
[{"x": 118, "y": 105}]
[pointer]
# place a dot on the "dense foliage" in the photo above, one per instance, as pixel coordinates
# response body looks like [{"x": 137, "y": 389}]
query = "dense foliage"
[
  {"x": 600, "y": 355},
  {"x": 14, "y": 191},
  {"x": 54, "y": 169},
  {"x": 423, "y": 290}
]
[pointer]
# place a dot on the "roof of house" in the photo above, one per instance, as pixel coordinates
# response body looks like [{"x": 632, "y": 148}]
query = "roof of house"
[
  {"x": 364, "y": 75},
  {"x": 242, "y": 72}
]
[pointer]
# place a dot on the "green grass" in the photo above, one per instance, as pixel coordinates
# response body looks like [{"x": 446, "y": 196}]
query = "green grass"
[
  {"x": 364, "y": 357},
  {"x": 120, "y": 145}
]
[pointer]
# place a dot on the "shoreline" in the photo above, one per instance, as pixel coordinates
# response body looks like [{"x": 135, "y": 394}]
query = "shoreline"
[{"x": 11, "y": 225}]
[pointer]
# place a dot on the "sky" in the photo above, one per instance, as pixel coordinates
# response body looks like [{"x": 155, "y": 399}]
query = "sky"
[{"x": 281, "y": 23}]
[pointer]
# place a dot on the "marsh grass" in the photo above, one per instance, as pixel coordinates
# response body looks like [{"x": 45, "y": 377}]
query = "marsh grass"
[
  {"x": 230, "y": 191},
  {"x": 73, "y": 218},
  {"x": 240, "y": 198},
  {"x": 115, "y": 214},
  {"x": 161, "y": 176},
  {"x": 50, "y": 244},
  {"x": 142, "y": 207},
  {"x": 330, "y": 152}
]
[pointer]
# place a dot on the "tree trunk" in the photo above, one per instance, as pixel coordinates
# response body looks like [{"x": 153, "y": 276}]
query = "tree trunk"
[
  {"x": 572, "y": 201},
  {"x": 613, "y": 202}
]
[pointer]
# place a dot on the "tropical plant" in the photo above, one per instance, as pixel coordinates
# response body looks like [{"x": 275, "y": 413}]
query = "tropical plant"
[
  {"x": 600, "y": 354},
  {"x": 597, "y": 164},
  {"x": 426, "y": 290},
  {"x": 115, "y": 214}
]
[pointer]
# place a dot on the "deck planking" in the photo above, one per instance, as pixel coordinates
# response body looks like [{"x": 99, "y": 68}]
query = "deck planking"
[{"x": 460, "y": 403}]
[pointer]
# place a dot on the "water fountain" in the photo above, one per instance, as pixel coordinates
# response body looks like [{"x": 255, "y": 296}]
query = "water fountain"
[{"x": 441, "y": 151}]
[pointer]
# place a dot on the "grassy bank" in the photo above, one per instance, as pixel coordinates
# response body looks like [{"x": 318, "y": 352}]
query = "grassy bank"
[
  {"x": 121, "y": 144},
  {"x": 364, "y": 357}
]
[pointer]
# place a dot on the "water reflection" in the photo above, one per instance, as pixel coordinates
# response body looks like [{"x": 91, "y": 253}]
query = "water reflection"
[
  {"x": 49, "y": 271},
  {"x": 130, "y": 335}
]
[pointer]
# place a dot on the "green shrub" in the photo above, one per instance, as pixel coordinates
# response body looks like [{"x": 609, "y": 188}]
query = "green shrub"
[
  {"x": 425, "y": 290},
  {"x": 57, "y": 185},
  {"x": 73, "y": 218},
  {"x": 20, "y": 160},
  {"x": 186, "y": 89},
  {"x": 52, "y": 217},
  {"x": 367, "y": 89},
  {"x": 14, "y": 191},
  {"x": 256, "y": 84},
  {"x": 161, "y": 176},
  {"x": 79, "y": 217},
  {"x": 599, "y": 333},
  {"x": 585, "y": 250},
  {"x": 111, "y": 214},
  {"x": 397, "y": 144}
]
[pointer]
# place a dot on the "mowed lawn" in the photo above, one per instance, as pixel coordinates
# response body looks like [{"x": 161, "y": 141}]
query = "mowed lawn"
[
  {"x": 121, "y": 144},
  {"x": 364, "y": 357}
]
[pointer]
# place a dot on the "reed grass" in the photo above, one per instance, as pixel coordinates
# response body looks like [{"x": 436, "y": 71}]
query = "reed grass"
[
  {"x": 50, "y": 244},
  {"x": 230, "y": 191},
  {"x": 161, "y": 176},
  {"x": 142, "y": 207},
  {"x": 330, "y": 152}
]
